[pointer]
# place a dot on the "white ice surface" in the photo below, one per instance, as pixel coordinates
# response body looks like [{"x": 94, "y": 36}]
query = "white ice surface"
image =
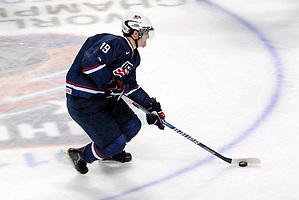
[{"x": 225, "y": 72}]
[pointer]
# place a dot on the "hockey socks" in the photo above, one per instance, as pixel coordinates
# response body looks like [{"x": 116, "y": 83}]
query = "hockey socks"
[{"x": 91, "y": 153}]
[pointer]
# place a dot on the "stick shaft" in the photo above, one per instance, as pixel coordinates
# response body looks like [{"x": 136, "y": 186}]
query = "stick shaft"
[{"x": 228, "y": 160}]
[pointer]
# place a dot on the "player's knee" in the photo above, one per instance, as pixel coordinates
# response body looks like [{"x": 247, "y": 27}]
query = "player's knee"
[
  {"x": 131, "y": 128},
  {"x": 120, "y": 142},
  {"x": 115, "y": 147}
]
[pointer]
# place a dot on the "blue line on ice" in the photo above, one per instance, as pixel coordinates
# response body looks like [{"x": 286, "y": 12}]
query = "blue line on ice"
[{"x": 272, "y": 103}]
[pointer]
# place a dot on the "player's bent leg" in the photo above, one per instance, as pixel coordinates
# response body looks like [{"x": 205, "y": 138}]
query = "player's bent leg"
[
  {"x": 131, "y": 128},
  {"x": 127, "y": 121}
]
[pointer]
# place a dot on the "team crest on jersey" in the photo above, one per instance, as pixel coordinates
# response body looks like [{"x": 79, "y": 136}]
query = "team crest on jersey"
[{"x": 123, "y": 70}]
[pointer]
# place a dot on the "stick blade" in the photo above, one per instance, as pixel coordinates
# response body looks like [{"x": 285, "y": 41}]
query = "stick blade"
[{"x": 248, "y": 160}]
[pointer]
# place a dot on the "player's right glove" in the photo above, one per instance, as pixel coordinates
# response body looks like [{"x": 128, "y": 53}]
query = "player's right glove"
[
  {"x": 156, "y": 115},
  {"x": 114, "y": 88}
]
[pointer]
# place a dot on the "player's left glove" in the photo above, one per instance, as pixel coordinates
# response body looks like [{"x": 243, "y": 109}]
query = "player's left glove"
[
  {"x": 156, "y": 116},
  {"x": 114, "y": 88}
]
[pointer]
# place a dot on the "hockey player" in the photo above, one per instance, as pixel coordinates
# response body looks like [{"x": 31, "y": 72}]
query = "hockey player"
[{"x": 103, "y": 71}]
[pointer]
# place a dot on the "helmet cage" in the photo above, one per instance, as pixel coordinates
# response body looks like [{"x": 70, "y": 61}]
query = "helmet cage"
[{"x": 150, "y": 30}]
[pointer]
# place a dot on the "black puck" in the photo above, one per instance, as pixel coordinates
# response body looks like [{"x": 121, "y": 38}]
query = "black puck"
[{"x": 243, "y": 164}]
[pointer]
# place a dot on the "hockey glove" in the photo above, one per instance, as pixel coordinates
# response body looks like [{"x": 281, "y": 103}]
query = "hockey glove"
[
  {"x": 156, "y": 115},
  {"x": 114, "y": 88}
]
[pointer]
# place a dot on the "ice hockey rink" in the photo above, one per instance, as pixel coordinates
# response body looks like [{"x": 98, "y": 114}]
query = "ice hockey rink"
[{"x": 225, "y": 71}]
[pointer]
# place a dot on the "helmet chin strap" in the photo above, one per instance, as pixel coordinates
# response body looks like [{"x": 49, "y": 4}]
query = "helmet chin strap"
[{"x": 136, "y": 41}]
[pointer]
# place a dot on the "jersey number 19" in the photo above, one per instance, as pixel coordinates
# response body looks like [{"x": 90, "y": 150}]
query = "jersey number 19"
[{"x": 105, "y": 47}]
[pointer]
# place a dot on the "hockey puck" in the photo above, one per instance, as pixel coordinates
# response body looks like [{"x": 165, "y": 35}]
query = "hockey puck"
[{"x": 243, "y": 164}]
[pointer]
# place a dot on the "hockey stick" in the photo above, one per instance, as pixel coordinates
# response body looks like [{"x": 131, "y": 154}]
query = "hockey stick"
[{"x": 241, "y": 161}]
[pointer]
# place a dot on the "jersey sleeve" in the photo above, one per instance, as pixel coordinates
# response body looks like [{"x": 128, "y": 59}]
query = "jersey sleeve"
[
  {"x": 135, "y": 92},
  {"x": 110, "y": 51},
  {"x": 97, "y": 59},
  {"x": 139, "y": 96}
]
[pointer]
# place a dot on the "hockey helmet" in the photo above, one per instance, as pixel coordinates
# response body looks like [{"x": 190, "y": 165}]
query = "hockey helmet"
[{"x": 135, "y": 21}]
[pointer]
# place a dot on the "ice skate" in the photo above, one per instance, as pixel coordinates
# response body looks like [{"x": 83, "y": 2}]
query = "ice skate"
[
  {"x": 76, "y": 157},
  {"x": 121, "y": 157}
]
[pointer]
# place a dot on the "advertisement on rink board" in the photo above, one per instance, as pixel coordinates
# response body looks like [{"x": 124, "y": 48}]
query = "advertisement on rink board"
[{"x": 33, "y": 66}]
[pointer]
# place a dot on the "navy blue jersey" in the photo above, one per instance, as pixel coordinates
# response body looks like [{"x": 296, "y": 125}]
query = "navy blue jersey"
[{"x": 102, "y": 58}]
